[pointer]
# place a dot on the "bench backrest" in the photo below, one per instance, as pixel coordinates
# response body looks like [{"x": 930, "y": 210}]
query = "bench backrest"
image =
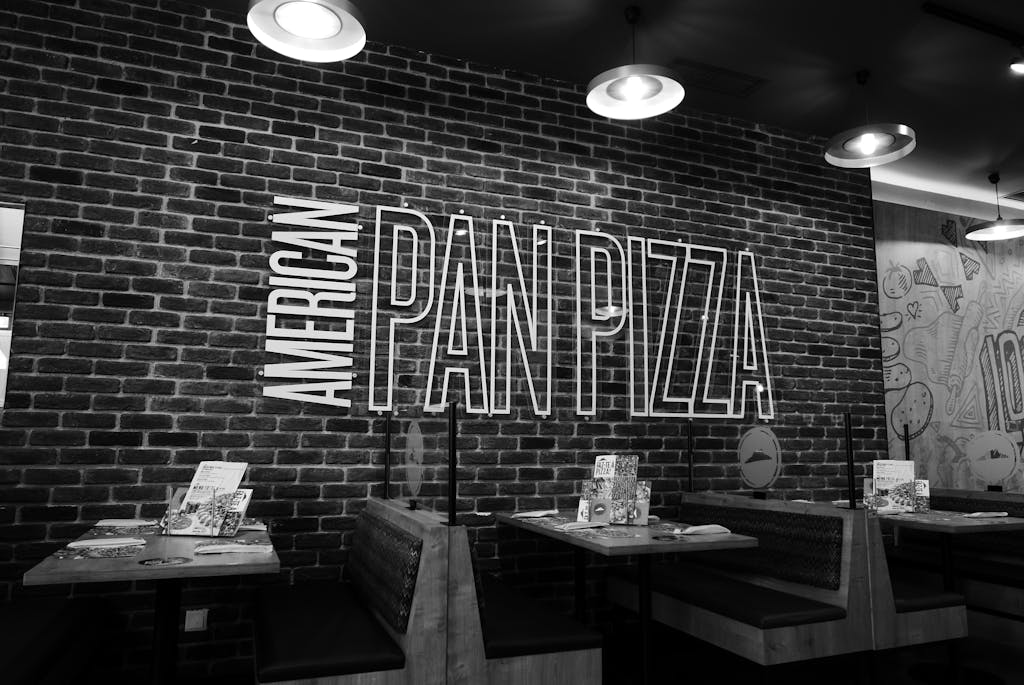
[
  {"x": 399, "y": 561},
  {"x": 808, "y": 549},
  {"x": 796, "y": 546},
  {"x": 384, "y": 563},
  {"x": 973, "y": 500}
]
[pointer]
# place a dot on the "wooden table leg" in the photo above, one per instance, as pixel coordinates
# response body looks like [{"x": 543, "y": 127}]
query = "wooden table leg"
[
  {"x": 579, "y": 558},
  {"x": 165, "y": 631},
  {"x": 948, "y": 572},
  {"x": 643, "y": 568}
]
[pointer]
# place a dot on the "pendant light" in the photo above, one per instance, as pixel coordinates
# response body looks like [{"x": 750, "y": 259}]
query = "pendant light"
[
  {"x": 308, "y": 30},
  {"x": 1000, "y": 229},
  {"x": 634, "y": 91},
  {"x": 870, "y": 145},
  {"x": 1017, "y": 65}
]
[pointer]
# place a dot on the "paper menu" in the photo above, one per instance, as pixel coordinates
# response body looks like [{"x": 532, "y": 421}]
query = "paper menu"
[
  {"x": 215, "y": 475},
  {"x": 611, "y": 496},
  {"x": 893, "y": 484},
  {"x": 213, "y": 504}
]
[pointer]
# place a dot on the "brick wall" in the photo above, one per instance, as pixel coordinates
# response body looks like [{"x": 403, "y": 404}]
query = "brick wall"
[{"x": 148, "y": 141}]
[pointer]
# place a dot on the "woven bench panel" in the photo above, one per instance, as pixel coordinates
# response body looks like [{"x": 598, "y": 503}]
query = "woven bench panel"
[
  {"x": 383, "y": 563},
  {"x": 795, "y": 547}
]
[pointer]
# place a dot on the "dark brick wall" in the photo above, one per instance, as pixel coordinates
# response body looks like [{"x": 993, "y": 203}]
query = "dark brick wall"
[{"x": 148, "y": 141}]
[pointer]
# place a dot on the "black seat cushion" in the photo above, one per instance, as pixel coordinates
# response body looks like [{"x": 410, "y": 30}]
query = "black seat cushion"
[
  {"x": 53, "y": 639},
  {"x": 915, "y": 594},
  {"x": 757, "y": 606},
  {"x": 515, "y": 625},
  {"x": 316, "y": 630}
]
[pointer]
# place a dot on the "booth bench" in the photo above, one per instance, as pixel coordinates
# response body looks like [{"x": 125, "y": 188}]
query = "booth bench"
[
  {"x": 802, "y": 593},
  {"x": 989, "y": 566},
  {"x": 384, "y": 626},
  {"x": 498, "y": 636}
]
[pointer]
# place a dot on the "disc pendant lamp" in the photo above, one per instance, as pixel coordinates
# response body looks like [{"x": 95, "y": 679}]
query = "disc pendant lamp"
[
  {"x": 1000, "y": 229},
  {"x": 634, "y": 91},
  {"x": 1017, "y": 65},
  {"x": 308, "y": 30},
  {"x": 870, "y": 145}
]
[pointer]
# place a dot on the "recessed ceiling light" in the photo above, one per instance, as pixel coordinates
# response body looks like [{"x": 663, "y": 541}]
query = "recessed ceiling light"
[
  {"x": 308, "y": 30},
  {"x": 1000, "y": 229}
]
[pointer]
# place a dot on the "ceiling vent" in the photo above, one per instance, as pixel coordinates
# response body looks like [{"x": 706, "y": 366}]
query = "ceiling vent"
[{"x": 716, "y": 79}]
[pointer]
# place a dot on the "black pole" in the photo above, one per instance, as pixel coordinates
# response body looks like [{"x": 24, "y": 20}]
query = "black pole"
[
  {"x": 453, "y": 461},
  {"x": 906, "y": 441},
  {"x": 849, "y": 462},
  {"x": 689, "y": 455},
  {"x": 387, "y": 455}
]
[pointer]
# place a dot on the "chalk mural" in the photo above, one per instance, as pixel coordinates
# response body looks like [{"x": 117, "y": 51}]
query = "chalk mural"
[{"x": 952, "y": 322}]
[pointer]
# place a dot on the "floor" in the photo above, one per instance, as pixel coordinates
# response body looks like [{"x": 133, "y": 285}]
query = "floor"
[{"x": 677, "y": 658}]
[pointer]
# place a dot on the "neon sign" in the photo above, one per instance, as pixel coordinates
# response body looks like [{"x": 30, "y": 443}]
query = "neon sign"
[{"x": 481, "y": 297}]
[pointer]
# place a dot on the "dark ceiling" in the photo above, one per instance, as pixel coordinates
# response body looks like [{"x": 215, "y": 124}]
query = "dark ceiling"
[{"x": 789, "y": 63}]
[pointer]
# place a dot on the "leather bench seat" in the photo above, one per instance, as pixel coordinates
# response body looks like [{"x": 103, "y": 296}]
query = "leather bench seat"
[
  {"x": 515, "y": 625},
  {"x": 752, "y": 604},
  {"x": 51, "y": 640},
  {"x": 319, "y": 629}
]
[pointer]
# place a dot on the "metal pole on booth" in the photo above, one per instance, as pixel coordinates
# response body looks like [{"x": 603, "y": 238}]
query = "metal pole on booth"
[
  {"x": 387, "y": 455},
  {"x": 849, "y": 462},
  {"x": 689, "y": 455},
  {"x": 906, "y": 441},
  {"x": 453, "y": 461}
]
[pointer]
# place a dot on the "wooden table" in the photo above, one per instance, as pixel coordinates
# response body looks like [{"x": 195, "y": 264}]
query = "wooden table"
[
  {"x": 53, "y": 571},
  {"x": 951, "y": 524},
  {"x": 624, "y": 541}
]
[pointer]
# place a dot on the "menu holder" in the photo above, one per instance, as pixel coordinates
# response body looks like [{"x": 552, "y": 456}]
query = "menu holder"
[
  {"x": 213, "y": 505},
  {"x": 893, "y": 488},
  {"x": 614, "y": 495}
]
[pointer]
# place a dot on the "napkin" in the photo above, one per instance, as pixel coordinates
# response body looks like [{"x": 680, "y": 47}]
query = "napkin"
[
  {"x": 579, "y": 525},
  {"x": 106, "y": 542},
  {"x": 232, "y": 548},
  {"x": 541, "y": 513},
  {"x": 985, "y": 514},
  {"x": 709, "y": 529},
  {"x": 127, "y": 523}
]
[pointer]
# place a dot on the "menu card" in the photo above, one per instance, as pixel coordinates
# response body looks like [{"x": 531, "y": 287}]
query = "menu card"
[
  {"x": 614, "y": 495},
  {"x": 894, "y": 489},
  {"x": 213, "y": 504}
]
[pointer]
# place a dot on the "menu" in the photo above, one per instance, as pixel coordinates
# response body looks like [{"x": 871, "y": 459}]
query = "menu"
[
  {"x": 213, "y": 505},
  {"x": 893, "y": 487},
  {"x": 614, "y": 495}
]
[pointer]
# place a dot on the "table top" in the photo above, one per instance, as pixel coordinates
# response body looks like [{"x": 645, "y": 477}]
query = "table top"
[
  {"x": 615, "y": 541},
  {"x": 55, "y": 570},
  {"x": 955, "y": 523}
]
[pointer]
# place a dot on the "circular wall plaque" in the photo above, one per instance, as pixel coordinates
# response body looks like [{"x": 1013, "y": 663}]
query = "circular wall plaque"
[
  {"x": 992, "y": 456},
  {"x": 759, "y": 456}
]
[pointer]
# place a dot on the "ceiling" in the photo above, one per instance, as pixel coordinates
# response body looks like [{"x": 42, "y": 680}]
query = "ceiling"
[{"x": 789, "y": 63}]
